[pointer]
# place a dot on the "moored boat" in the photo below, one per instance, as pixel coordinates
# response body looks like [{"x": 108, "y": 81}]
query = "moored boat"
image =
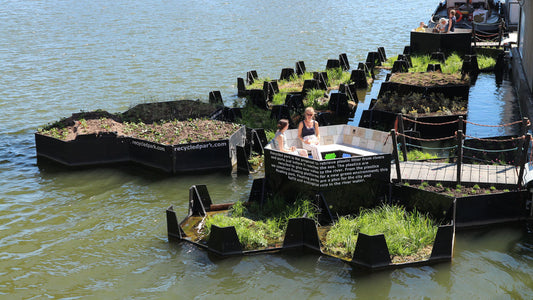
[{"x": 483, "y": 16}]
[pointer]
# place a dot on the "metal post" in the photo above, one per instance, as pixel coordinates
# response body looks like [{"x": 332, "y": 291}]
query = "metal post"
[
  {"x": 460, "y": 124},
  {"x": 396, "y": 155},
  {"x": 523, "y": 159},
  {"x": 459, "y": 154},
  {"x": 399, "y": 118}
]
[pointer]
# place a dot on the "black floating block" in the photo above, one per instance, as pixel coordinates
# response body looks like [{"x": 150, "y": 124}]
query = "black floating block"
[
  {"x": 270, "y": 88},
  {"x": 344, "y": 64},
  {"x": 434, "y": 68},
  {"x": 333, "y": 64},
  {"x": 286, "y": 73},
  {"x": 472, "y": 58},
  {"x": 300, "y": 68},
  {"x": 373, "y": 57},
  {"x": 322, "y": 80},
  {"x": 407, "y": 58},
  {"x": 371, "y": 251},
  {"x": 232, "y": 114},
  {"x": 295, "y": 103},
  {"x": 438, "y": 56},
  {"x": 175, "y": 232},
  {"x": 243, "y": 166},
  {"x": 370, "y": 66},
  {"x": 215, "y": 98},
  {"x": 258, "y": 191},
  {"x": 224, "y": 241},
  {"x": 309, "y": 84},
  {"x": 358, "y": 77},
  {"x": 259, "y": 140},
  {"x": 241, "y": 88},
  {"x": 325, "y": 217},
  {"x": 199, "y": 200},
  {"x": 400, "y": 66},
  {"x": 338, "y": 103},
  {"x": 279, "y": 112},
  {"x": 301, "y": 232},
  {"x": 251, "y": 76},
  {"x": 500, "y": 62},
  {"x": 350, "y": 90},
  {"x": 443, "y": 245},
  {"x": 382, "y": 54},
  {"x": 258, "y": 98}
]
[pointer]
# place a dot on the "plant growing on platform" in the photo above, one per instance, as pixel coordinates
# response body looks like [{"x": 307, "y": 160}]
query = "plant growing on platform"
[
  {"x": 316, "y": 99},
  {"x": 259, "y": 227},
  {"x": 485, "y": 62},
  {"x": 337, "y": 76},
  {"x": 255, "y": 117},
  {"x": 406, "y": 233},
  {"x": 418, "y": 155}
]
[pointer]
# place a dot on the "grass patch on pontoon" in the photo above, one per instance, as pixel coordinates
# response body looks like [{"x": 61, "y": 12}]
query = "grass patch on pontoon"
[{"x": 406, "y": 233}]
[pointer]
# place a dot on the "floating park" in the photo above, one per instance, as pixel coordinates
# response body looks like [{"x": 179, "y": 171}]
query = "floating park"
[{"x": 369, "y": 201}]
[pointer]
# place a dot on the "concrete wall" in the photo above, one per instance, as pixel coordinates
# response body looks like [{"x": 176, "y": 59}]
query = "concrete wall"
[{"x": 527, "y": 38}]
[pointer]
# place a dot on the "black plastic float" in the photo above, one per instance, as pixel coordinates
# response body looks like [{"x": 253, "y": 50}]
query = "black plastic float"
[
  {"x": 470, "y": 211},
  {"x": 286, "y": 73},
  {"x": 344, "y": 63},
  {"x": 300, "y": 68},
  {"x": 333, "y": 64},
  {"x": 322, "y": 80},
  {"x": 85, "y": 150},
  {"x": 105, "y": 148},
  {"x": 215, "y": 98},
  {"x": 251, "y": 76},
  {"x": 401, "y": 89},
  {"x": 434, "y": 68},
  {"x": 400, "y": 66},
  {"x": 371, "y": 252},
  {"x": 422, "y": 43},
  {"x": 358, "y": 77}
]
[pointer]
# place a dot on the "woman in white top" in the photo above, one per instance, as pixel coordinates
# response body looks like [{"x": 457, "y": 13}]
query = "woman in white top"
[
  {"x": 280, "y": 141},
  {"x": 309, "y": 134}
]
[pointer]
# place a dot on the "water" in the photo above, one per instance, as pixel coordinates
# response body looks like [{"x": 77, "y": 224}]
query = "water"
[{"x": 101, "y": 232}]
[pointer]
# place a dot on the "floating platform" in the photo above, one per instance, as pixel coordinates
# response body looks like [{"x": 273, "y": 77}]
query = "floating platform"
[{"x": 302, "y": 234}]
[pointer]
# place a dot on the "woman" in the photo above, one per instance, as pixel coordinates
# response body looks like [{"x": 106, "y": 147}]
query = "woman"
[
  {"x": 452, "y": 21},
  {"x": 442, "y": 26},
  {"x": 309, "y": 134},
  {"x": 280, "y": 141}
]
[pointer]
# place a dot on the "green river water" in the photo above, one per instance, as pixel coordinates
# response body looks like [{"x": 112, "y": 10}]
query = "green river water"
[{"x": 100, "y": 233}]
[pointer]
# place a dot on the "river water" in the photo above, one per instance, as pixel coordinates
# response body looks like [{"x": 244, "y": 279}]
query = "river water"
[{"x": 101, "y": 232}]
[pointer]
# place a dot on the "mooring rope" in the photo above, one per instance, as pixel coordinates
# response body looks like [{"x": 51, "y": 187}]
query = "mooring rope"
[
  {"x": 426, "y": 140},
  {"x": 490, "y": 151},
  {"x": 503, "y": 125},
  {"x": 426, "y": 123},
  {"x": 431, "y": 148},
  {"x": 494, "y": 140}
]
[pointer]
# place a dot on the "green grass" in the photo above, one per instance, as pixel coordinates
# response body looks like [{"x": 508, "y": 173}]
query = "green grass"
[
  {"x": 406, "y": 233},
  {"x": 485, "y": 62},
  {"x": 417, "y": 155},
  {"x": 259, "y": 227},
  {"x": 255, "y": 117},
  {"x": 453, "y": 63},
  {"x": 337, "y": 76}
]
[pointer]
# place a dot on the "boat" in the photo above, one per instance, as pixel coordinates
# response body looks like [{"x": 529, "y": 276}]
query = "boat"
[{"x": 482, "y": 16}]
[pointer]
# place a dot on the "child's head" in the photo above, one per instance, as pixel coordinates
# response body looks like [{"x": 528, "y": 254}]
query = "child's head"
[{"x": 282, "y": 123}]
